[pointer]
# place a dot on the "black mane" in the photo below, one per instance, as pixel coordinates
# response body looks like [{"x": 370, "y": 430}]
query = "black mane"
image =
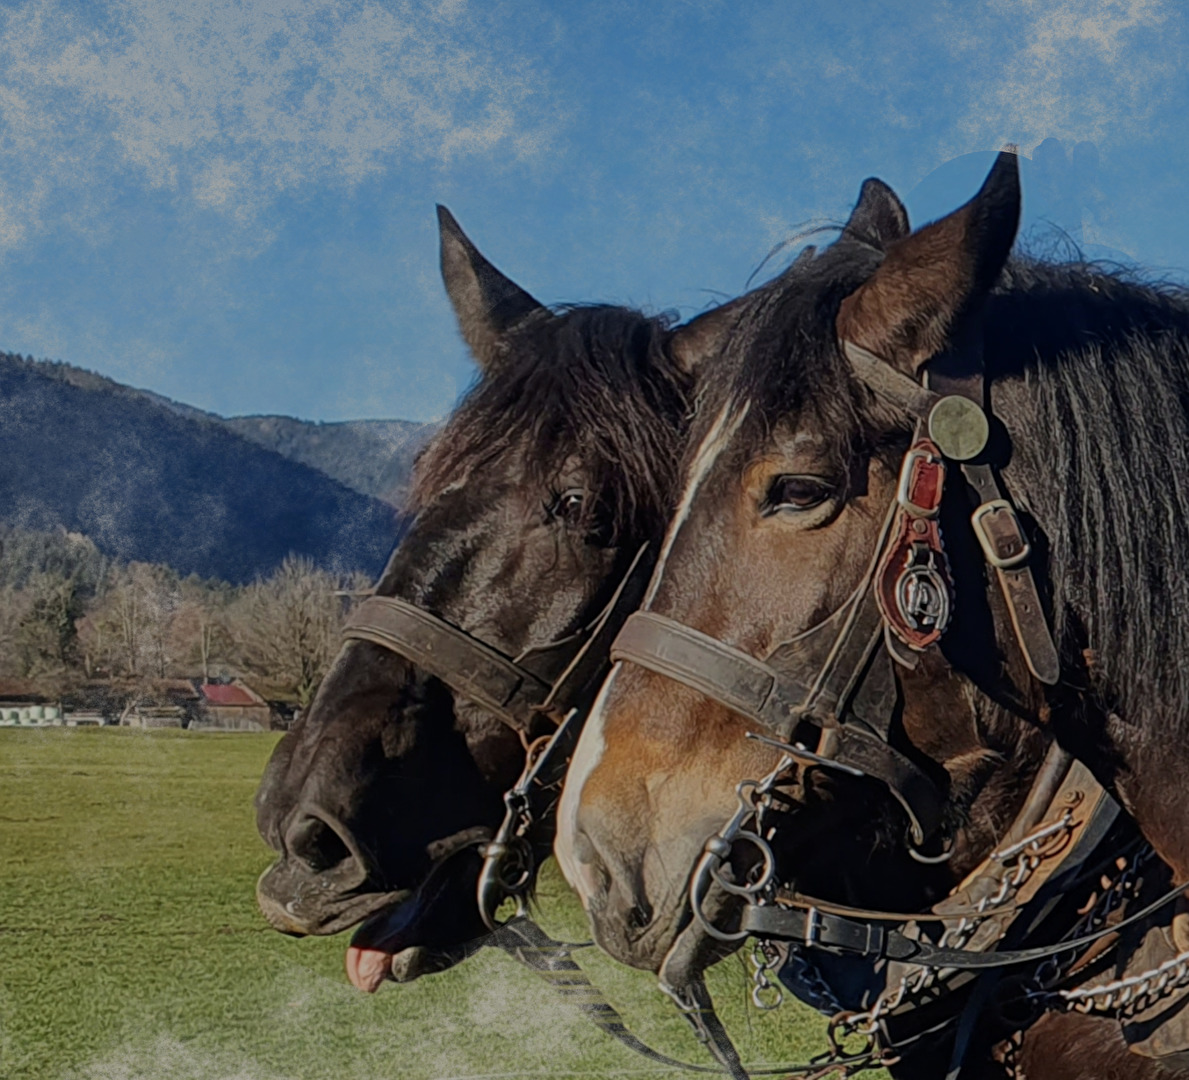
[
  {"x": 592, "y": 381},
  {"x": 1093, "y": 364},
  {"x": 1105, "y": 361}
]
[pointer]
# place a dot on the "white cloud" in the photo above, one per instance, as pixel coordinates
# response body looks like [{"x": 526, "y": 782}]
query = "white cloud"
[
  {"x": 1074, "y": 69},
  {"x": 230, "y": 102}
]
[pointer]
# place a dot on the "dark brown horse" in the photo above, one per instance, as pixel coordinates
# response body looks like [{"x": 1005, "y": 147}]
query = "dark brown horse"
[
  {"x": 531, "y": 502},
  {"x": 791, "y": 471}
]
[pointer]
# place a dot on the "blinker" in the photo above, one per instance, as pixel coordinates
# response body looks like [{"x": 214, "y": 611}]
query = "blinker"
[{"x": 959, "y": 427}]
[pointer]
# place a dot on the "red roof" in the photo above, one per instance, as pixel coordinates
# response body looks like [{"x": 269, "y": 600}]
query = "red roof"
[{"x": 217, "y": 694}]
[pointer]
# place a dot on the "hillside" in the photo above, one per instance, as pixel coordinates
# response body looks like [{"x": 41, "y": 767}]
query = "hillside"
[
  {"x": 150, "y": 480},
  {"x": 374, "y": 457}
]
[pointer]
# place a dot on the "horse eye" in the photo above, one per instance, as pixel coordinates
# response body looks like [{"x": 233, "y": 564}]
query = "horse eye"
[
  {"x": 568, "y": 506},
  {"x": 797, "y": 493}
]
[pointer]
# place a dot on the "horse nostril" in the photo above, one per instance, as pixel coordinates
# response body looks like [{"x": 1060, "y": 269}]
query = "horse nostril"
[
  {"x": 640, "y": 915},
  {"x": 317, "y": 845}
]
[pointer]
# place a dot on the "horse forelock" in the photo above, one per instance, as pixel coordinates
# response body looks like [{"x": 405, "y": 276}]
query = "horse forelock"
[{"x": 592, "y": 384}]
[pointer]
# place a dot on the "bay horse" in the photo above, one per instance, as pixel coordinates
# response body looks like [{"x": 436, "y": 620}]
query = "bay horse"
[
  {"x": 778, "y": 551},
  {"x": 531, "y": 504}
]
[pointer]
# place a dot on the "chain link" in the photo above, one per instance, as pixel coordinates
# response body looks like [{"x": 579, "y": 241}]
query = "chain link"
[
  {"x": 1114, "y": 894},
  {"x": 765, "y": 994},
  {"x": 1120, "y": 997},
  {"x": 919, "y": 979}
]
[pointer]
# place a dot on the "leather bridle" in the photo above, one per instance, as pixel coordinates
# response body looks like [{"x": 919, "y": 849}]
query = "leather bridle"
[
  {"x": 529, "y": 693},
  {"x": 840, "y": 677},
  {"x": 840, "y": 674}
]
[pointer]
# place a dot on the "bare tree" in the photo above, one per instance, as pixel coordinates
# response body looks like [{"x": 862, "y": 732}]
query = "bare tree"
[
  {"x": 201, "y": 627},
  {"x": 15, "y": 607},
  {"x": 129, "y": 629},
  {"x": 287, "y": 627}
]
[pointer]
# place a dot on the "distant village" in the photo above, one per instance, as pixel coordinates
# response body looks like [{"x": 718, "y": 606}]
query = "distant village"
[
  {"x": 155, "y": 703},
  {"x": 89, "y": 641}
]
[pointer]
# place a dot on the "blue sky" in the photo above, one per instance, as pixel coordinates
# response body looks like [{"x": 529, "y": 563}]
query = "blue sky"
[{"x": 231, "y": 201}]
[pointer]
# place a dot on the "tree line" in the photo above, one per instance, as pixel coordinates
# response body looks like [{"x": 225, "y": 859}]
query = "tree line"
[{"x": 70, "y": 615}]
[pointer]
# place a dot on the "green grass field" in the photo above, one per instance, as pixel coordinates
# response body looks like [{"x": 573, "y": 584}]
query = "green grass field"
[{"x": 131, "y": 947}]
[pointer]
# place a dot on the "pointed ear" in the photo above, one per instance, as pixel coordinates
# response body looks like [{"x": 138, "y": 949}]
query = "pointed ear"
[
  {"x": 703, "y": 337},
  {"x": 879, "y": 217},
  {"x": 486, "y": 303},
  {"x": 911, "y": 307}
]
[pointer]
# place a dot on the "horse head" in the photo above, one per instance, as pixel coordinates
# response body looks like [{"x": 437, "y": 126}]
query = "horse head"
[
  {"x": 531, "y": 503},
  {"x": 789, "y": 481}
]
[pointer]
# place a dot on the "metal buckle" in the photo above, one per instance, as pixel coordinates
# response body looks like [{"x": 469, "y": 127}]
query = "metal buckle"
[
  {"x": 987, "y": 541},
  {"x": 813, "y": 926},
  {"x": 903, "y": 496}
]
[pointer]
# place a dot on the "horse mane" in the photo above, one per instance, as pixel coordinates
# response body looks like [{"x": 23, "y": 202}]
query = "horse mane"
[
  {"x": 783, "y": 363},
  {"x": 594, "y": 382},
  {"x": 1105, "y": 363},
  {"x": 1101, "y": 411}
]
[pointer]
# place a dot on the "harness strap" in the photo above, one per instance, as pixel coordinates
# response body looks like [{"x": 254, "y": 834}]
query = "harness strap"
[
  {"x": 1004, "y": 544},
  {"x": 822, "y": 930},
  {"x": 464, "y": 663},
  {"x": 554, "y": 676},
  {"x": 753, "y": 689},
  {"x": 525, "y": 941},
  {"x": 994, "y": 519},
  {"x": 580, "y": 679}
]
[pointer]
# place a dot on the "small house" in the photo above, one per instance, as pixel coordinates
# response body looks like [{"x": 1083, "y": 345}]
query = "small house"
[{"x": 233, "y": 706}]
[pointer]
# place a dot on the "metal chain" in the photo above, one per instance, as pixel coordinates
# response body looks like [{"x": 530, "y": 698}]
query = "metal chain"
[
  {"x": 1120, "y": 997},
  {"x": 1028, "y": 854},
  {"x": 765, "y": 994},
  {"x": 1114, "y": 894},
  {"x": 1124, "y": 997}
]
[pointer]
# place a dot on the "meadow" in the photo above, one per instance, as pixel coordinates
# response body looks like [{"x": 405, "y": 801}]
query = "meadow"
[{"x": 131, "y": 946}]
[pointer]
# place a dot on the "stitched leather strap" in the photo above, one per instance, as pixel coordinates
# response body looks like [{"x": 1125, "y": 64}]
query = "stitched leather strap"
[
  {"x": 873, "y": 941},
  {"x": 1008, "y": 551},
  {"x": 558, "y": 676},
  {"x": 1016, "y": 581},
  {"x": 777, "y": 700},
  {"x": 464, "y": 663}
]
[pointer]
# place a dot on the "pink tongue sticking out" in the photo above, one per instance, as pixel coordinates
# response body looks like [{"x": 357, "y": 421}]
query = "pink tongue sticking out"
[
  {"x": 376, "y": 942},
  {"x": 368, "y": 968}
]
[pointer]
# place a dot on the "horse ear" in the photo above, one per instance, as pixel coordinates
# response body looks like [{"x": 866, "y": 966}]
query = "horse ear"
[
  {"x": 910, "y": 308},
  {"x": 879, "y": 217},
  {"x": 486, "y": 303},
  {"x": 703, "y": 337}
]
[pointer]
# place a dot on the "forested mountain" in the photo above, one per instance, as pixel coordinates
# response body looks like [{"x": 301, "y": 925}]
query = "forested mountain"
[
  {"x": 150, "y": 480},
  {"x": 371, "y": 456}
]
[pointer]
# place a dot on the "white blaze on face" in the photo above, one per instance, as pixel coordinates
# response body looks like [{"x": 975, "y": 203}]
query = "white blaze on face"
[{"x": 589, "y": 751}]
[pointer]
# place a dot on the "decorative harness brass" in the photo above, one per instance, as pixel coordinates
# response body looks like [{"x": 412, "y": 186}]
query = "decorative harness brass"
[{"x": 840, "y": 677}]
